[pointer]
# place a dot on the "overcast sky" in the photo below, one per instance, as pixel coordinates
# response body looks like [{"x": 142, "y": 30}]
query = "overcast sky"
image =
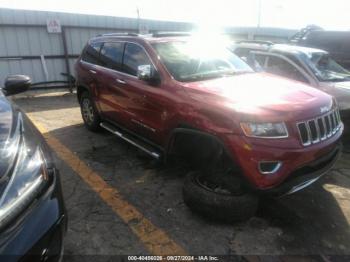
[{"x": 330, "y": 14}]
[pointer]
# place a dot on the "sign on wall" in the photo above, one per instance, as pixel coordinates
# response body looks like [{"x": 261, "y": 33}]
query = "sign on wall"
[{"x": 53, "y": 26}]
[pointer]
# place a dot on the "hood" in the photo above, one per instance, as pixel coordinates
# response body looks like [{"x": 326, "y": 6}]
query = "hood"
[
  {"x": 5, "y": 119},
  {"x": 261, "y": 94},
  {"x": 16, "y": 131},
  {"x": 343, "y": 85},
  {"x": 340, "y": 90}
]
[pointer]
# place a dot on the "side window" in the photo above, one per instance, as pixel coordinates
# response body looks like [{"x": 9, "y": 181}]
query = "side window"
[
  {"x": 91, "y": 53},
  {"x": 112, "y": 54},
  {"x": 279, "y": 66},
  {"x": 294, "y": 58},
  {"x": 256, "y": 61},
  {"x": 242, "y": 52},
  {"x": 134, "y": 56},
  {"x": 260, "y": 59}
]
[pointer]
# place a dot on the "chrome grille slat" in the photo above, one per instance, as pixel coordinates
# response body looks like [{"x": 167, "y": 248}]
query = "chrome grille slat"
[
  {"x": 328, "y": 125},
  {"x": 336, "y": 118},
  {"x": 325, "y": 127},
  {"x": 318, "y": 129},
  {"x": 308, "y": 132},
  {"x": 331, "y": 115},
  {"x": 321, "y": 128},
  {"x": 314, "y": 134}
]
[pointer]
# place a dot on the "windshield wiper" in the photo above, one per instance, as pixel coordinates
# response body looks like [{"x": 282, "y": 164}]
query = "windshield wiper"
[
  {"x": 338, "y": 79},
  {"x": 198, "y": 77},
  {"x": 229, "y": 73},
  {"x": 216, "y": 74}
]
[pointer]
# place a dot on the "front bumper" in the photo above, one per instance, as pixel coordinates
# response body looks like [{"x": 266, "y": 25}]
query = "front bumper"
[
  {"x": 308, "y": 174},
  {"x": 37, "y": 234},
  {"x": 248, "y": 153}
]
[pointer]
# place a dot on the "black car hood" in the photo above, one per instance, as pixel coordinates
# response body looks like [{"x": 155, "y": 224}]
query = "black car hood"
[
  {"x": 6, "y": 119},
  {"x": 16, "y": 130}
]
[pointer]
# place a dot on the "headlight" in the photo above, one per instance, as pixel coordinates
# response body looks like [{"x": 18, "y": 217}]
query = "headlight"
[
  {"x": 23, "y": 183},
  {"x": 265, "y": 130}
]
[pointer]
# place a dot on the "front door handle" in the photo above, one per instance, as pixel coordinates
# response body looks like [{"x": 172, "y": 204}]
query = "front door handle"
[
  {"x": 121, "y": 81},
  {"x": 92, "y": 71}
]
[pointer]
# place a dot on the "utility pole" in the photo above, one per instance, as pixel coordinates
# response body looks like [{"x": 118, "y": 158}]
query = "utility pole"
[
  {"x": 138, "y": 19},
  {"x": 259, "y": 13}
]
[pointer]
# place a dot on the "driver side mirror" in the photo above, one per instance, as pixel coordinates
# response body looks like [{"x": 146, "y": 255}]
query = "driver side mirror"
[
  {"x": 148, "y": 74},
  {"x": 15, "y": 84}
]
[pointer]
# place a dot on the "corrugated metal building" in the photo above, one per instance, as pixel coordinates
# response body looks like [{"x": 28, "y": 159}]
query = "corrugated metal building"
[{"x": 26, "y": 47}]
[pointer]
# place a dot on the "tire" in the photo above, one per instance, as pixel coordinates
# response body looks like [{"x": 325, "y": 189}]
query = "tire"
[
  {"x": 218, "y": 206},
  {"x": 88, "y": 112}
]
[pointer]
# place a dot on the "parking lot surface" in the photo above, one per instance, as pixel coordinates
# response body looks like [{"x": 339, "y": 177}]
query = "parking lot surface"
[{"x": 119, "y": 201}]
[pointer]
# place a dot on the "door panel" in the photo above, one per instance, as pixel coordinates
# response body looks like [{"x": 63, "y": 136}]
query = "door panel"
[
  {"x": 147, "y": 108},
  {"x": 111, "y": 94},
  {"x": 146, "y": 103},
  {"x": 88, "y": 69}
]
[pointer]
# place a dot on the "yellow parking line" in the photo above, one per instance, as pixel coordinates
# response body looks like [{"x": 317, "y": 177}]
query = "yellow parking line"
[{"x": 155, "y": 239}]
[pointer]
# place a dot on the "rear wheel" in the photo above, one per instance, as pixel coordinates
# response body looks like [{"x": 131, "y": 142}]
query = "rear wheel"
[
  {"x": 217, "y": 201},
  {"x": 90, "y": 116}
]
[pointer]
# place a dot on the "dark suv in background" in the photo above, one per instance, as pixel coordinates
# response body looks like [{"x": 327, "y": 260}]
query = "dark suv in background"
[
  {"x": 245, "y": 133},
  {"x": 336, "y": 43}
]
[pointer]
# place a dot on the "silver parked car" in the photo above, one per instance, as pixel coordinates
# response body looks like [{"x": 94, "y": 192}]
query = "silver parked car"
[{"x": 308, "y": 65}]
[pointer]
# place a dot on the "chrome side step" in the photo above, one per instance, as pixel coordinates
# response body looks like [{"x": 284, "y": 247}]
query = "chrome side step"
[{"x": 139, "y": 144}]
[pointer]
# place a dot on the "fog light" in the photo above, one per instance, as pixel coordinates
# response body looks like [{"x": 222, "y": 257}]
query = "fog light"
[{"x": 269, "y": 167}]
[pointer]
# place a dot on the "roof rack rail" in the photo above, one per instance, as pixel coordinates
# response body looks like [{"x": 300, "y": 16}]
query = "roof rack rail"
[
  {"x": 120, "y": 34},
  {"x": 255, "y": 42},
  {"x": 169, "y": 34}
]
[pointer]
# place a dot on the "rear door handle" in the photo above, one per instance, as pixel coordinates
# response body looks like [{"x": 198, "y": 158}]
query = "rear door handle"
[
  {"x": 121, "y": 81},
  {"x": 92, "y": 71}
]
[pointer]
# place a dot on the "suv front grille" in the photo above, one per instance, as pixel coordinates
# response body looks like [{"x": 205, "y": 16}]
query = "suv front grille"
[{"x": 318, "y": 129}]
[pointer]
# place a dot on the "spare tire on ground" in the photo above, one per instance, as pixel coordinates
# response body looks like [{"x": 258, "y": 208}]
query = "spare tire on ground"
[{"x": 217, "y": 204}]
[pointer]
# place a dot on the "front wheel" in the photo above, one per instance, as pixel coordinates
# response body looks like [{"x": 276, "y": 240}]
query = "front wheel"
[
  {"x": 90, "y": 116},
  {"x": 217, "y": 202}
]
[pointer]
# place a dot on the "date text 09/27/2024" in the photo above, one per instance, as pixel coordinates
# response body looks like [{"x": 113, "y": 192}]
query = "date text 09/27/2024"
[{"x": 173, "y": 258}]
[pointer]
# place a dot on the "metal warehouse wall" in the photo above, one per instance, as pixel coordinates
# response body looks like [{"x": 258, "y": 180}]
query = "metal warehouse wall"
[{"x": 24, "y": 39}]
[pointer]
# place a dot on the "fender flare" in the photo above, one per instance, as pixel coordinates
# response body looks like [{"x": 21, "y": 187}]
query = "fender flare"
[
  {"x": 193, "y": 131},
  {"x": 80, "y": 86},
  {"x": 188, "y": 130}
]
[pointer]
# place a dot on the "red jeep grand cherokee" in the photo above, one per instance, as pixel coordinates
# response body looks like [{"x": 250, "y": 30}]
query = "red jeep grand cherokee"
[{"x": 246, "y": 133}]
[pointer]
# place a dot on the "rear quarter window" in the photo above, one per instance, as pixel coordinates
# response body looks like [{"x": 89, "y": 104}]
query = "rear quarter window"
[{"x": 91, "y": 53}]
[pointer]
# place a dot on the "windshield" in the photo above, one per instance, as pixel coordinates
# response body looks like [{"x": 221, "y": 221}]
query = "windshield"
[
  {"x": 194, "y": 61},
  {"x": 325, "y": 68}
]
